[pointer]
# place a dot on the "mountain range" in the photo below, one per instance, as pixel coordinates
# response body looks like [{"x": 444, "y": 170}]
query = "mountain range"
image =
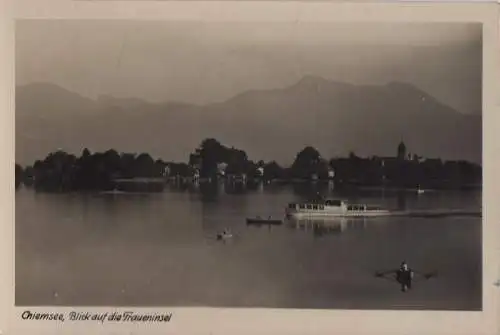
[{"x": 334, "y": 117}]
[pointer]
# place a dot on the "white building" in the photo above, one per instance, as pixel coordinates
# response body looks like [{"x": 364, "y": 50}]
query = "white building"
[
  {"x": 221, "y": 168},
  {"x": 166, "y": 171},
  {"x": 331, "y": 173}
]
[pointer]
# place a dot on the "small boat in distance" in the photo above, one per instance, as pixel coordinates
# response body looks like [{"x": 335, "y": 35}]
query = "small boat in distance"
[
  {"x": 224, "y": 235},
  {"x": 266, "y": 221},
  {"x": 333, "y": 208}
]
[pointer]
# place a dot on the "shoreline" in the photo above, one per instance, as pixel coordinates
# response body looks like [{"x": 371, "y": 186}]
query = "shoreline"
[{"x": 125, "y": 186}]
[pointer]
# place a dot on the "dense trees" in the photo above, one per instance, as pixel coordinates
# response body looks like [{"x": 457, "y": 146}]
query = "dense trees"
[
  {"x": 211, "y": 153},
  {"x": 431, "y": 173},
  {"x": 309, "y": 164},
  {"x": 61, "y": 171}
]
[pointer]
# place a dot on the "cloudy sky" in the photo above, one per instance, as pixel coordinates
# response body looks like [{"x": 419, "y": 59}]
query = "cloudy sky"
[{"x": 208, "y": 62}]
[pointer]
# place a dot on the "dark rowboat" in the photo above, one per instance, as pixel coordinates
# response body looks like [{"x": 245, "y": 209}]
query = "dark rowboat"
[{"x": 263, "y": 221}]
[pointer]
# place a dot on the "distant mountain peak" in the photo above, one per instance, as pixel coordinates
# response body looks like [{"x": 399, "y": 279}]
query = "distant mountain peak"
[
  {"x": 330, "y": 115},
  {"x": 313, "y": 82},
  {"x": 110, "y": 101},
  {"x": 45, "y": 88},
  {"x": 400, "y": 85},
  {"x": 310, "y": 79}
]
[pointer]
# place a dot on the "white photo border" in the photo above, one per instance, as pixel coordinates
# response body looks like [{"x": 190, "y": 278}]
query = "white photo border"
[{"x": 255, "y": 320}]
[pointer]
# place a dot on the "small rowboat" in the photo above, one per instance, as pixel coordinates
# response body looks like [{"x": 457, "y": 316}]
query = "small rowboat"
[
  {"x": 263, "y": 221},
  {"x": 224, "y": 236}
]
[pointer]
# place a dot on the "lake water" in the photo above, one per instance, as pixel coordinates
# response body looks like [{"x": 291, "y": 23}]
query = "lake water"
[{"x": 160, "y": 250}]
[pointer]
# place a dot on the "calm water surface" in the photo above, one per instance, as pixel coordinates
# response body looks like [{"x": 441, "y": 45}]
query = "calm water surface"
[{"x": 159, "y": 249}]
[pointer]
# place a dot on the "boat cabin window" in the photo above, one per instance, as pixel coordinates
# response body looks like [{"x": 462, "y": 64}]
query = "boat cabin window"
[
  {"x": 309, "y": 206},
  {"x": 355, "y": 207},
  {"x": 302, "y": 206},
  {"x": 292, "y": 206},
  {"x": 315, "y": 207},
  {"x": 336, "y": 203}
]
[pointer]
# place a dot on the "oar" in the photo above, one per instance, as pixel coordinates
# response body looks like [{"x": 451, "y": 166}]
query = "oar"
[
  {"x": 427, "y": 275},
  {"x": 430, "y": 275},
  {"x": 383, "y": 273}
]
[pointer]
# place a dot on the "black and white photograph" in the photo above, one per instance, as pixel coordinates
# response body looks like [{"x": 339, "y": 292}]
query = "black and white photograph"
[{"x": 312, "y": 165}]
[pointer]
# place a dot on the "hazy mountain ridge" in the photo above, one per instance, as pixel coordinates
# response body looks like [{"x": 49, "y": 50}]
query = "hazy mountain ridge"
[{"x": 334, "y": 117}]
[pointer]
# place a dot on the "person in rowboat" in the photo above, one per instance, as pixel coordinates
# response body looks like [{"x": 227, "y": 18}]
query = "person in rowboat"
[
  {"x": 224, "y": 234},
  {"x": 404, "y": 276}
]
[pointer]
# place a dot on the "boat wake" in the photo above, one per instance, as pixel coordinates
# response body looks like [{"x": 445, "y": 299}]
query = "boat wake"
[{"x": 438, "y": 213}]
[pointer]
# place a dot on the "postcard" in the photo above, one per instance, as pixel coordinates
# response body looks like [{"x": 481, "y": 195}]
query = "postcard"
[{"x": 318, "y": 168}]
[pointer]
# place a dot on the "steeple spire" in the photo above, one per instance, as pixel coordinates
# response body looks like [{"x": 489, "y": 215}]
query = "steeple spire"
[{"x": 401, "y": 150}]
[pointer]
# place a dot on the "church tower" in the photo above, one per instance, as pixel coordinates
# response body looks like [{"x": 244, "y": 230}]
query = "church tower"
[{"x": 401, "y": 151}]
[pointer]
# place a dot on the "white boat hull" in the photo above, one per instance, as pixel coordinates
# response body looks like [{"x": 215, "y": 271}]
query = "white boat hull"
[
  {"x": 325, "y": 214},
  {"x": 305, "y": 214},
  {"x": 333, "y": 209}
]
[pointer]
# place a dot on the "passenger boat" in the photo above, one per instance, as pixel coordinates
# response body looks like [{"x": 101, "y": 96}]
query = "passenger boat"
[
  {"x": 333, "y": 208},
  {"x": 259, "y": 221}
]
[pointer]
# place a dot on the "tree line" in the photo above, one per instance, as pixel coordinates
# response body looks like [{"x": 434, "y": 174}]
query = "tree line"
[{"x": 62, "y": 172}]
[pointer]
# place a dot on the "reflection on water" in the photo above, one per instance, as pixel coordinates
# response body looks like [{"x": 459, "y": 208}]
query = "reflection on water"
[
  {"x": 303, "y": 191},
  {"x": 332, "y": 226},
  {"x": 161, "y": 249},
  {"x": 401, "y": 195}
]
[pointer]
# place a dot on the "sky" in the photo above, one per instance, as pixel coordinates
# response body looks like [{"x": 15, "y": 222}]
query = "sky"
[{"x": 210, "y": 62}]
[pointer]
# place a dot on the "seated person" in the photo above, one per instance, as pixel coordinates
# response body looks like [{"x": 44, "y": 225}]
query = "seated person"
[{"x": 404, "y": 276}]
